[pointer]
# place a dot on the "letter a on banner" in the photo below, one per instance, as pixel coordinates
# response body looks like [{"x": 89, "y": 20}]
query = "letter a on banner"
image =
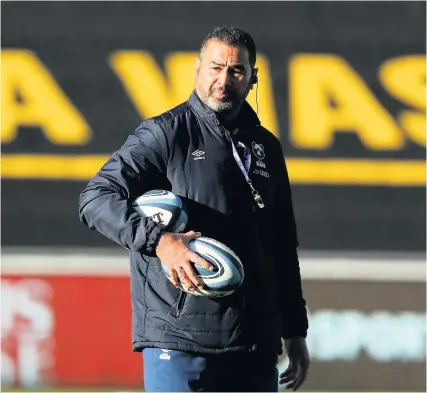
[
  {"x": 32, "y": 98},
  {"x": 315, "y": 82}
]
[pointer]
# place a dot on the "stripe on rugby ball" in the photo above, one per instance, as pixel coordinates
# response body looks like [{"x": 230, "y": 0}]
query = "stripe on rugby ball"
[
  {"x": 165, "y": 197},
  {"x": 230, "y": 268}
]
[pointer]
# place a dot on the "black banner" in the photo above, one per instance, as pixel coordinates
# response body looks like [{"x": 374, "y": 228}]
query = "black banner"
[{"x": 341, "y": 84}]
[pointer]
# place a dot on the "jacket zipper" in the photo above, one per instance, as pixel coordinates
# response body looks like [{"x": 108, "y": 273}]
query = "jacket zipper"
[
  {"x": 180, "y": 302},
  {"x": 227, "y": 135}
]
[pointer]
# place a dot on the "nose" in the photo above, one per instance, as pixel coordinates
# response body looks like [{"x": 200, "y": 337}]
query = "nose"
[{"x": 225, "y": 78}]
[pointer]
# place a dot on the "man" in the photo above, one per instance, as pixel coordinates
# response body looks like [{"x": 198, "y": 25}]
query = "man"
[{"x": 238, "y": 194}]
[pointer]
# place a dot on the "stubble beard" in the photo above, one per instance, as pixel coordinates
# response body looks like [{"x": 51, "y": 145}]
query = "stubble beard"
[
  {"x": 220, "y": 106},
  {"x": 216, "y": 105}
]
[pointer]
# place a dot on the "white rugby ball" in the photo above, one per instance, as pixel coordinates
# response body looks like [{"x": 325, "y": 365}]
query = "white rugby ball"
[
  {"x": 164, "y": 207},
  {"x": 229, "y": 273}
]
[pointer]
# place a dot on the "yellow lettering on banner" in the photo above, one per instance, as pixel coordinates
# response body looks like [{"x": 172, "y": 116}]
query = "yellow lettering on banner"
[
  {"x": 327, "y": 96},
  {"x": 405, "y": 78},
  {"x": 152, "y": 92},
  {"x": 41, "y": 101},
  {"x": 266, "y": 105}
]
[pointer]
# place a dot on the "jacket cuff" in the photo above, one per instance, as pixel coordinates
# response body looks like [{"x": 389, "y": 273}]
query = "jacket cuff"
[
  {"x": 298, "y": 329},
  {"x": 288, "y": 335},
  {"x": 153, "y": 239}
]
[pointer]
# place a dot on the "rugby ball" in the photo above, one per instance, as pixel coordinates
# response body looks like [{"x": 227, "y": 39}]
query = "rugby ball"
[
  {"x": 225, "y": 279},
  {"x": 164, "y": 207}
]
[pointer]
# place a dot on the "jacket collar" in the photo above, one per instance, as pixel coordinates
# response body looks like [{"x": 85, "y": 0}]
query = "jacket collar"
[{"x": 247, "y": 118}]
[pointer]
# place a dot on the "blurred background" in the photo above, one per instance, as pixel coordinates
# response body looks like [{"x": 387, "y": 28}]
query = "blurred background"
[{"x": 343, "y": 84}]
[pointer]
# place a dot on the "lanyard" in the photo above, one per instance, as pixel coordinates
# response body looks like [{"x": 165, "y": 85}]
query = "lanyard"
[{"x": 245, "y": 170}]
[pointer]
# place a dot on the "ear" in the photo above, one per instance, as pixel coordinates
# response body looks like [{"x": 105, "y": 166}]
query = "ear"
[
  {"x": 197, "y": 67},
  {"x": 255, "y": 72},
  {"x": 254, "y": 78}
]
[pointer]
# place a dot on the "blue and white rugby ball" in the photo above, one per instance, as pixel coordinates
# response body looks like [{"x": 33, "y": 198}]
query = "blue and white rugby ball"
[
  {"x": 164, "y": 207},
  {"x": 229, "y": 273}
]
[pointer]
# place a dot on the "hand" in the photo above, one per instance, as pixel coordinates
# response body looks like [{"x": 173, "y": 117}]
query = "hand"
[
  {"x": 299, "y": 361},
  {"x": 174, "y": 253}
]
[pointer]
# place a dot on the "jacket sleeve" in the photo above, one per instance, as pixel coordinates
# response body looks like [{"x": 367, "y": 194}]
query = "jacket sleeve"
[
  {"x": 294, "y": 313},
  {"x": 138, "y": 166}
]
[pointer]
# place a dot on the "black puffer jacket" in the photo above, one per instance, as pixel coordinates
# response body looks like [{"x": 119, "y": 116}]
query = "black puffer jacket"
[{"x": 159, "y": 155}]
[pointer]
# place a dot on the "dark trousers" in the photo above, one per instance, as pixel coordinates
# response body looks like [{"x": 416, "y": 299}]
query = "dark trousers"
[{"x": 176, "y": 371}]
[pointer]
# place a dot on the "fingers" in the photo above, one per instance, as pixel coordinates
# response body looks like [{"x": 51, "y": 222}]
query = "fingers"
[
  {"x": 289, "y": 380},
  {"x": 295, "y": 383},
  {"x": 289, "y": 376},
  {"x": 292, "y": 383},
  {"x": 191, "y": 276},
  {"x": 287, "y": 372},
  {"x": 303, "y": 369},
  {"x": 184, "y": 279},
  {"x": 194, "y": 257},
  {"x": 198, "y": 260},
  {"x": 298, "y": 383},
  {"x": 174, "y": 278},
  {"x": 181, "y": 269},
  {"x": 192, "y": 234},
  {"x": 294, "y": 377}
]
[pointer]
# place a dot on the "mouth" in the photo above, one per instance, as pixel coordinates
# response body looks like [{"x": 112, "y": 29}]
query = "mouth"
[{"x": 222, "y": 95}]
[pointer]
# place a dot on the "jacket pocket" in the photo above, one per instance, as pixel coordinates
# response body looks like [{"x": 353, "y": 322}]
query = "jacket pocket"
[{"x": 180, "y": 303}]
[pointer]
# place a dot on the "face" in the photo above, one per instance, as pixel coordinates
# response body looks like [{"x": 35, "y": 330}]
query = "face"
[{"x": 223, "y": 75}]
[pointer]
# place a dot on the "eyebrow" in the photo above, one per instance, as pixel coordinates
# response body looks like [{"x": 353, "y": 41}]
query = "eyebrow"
[{"x": 237, "y": 65}]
